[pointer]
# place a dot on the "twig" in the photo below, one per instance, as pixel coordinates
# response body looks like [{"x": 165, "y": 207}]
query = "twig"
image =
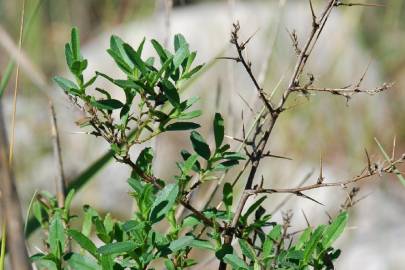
[
  {"x": 240, "y": 47},
  {"x": 388, "y": 169},
  {"x": 339, "y": 3},
  {"x": 60, "y": 182}
]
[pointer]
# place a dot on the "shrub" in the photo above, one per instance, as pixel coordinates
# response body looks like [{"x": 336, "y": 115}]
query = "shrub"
[{"x": 237, "y": 235}]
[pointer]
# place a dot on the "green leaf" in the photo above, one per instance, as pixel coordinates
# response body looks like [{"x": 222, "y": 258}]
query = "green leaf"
[
  {"x": 145, "y": 159},
  {"x": 69, "y": 55},
  {"x": 190, "y": 221},
  {"x": 140, "y": 47},
  {"x": 218, "y": 129},
  {"x": 165, "y": 200},
  {"x": 226, "y": 165},
  {"x": 313, "y": 242},
  {"x": 199, "y": 145},
  {"x": 234, "y": 156},
  {"x": 267, "y": 247},
  {"x": 227, "y": 194},
  {"x": 202, "y": 244},
  {"x": 247, "y": 249},
  {"x": 68, "y": 200},
  {"x": 159, "y": 50},
  {"x": 135, "y": 58},
  {"x": 83, "y": 241},
  {"x": 190, "y": 60},
  {"x": 190, "y": 115},
  {"x": 104, "y": 92},
  {"x": 117, "y": 248},
  {"x": 67, "y": 85},
  {"x": 275, "y": 233},
  {"x": 169, "y": 265},
  {"x": 90, "y": 82},
  {"x": 334, "y": 230},
  {"x": 164, "y": 68},
  {"x": 179, "y": 57},
  {"x": 56, "y": 238},
  {"x": 106, "y": 262},
  {"x": 181, "y": 126},
  {"x": 235, "y": 261},
  {"x": 117, "y": 52},
  {"x": 107, "y": 104},
  {"x": 179, "y": 42},
  {"x": 223, "y": 251},
  {"x": 189, "y": 164},
  {"x": 252, "y": 208},
  {"x": 304, "y": 237},
  {"x": 75, "y": 43},
  {"x": 77, "y": 261},
  {"x": 181, "y": 243},
  {"x": 189, "y": 74},
  {"x": 170, "y": 91}
]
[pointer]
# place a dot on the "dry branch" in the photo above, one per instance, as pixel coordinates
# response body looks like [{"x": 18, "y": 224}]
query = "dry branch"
[{"x": 11, "y": 207}]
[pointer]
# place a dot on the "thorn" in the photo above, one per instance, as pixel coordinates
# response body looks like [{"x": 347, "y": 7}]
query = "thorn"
[
  {"x": 245, "y": 101},
  {"x": 243, "y": 45},
  {"x": 306, "y": 219},
  {"x": 364, "y": 74},
  {"x": 236, "y": 59},
  {"x": 329, "y": 216},
  {"x": 233, "y": 138},
  {"x": 320, "y": 178},
  {"x": 300, "y": 194},
  {"x": 314, "y": 23},
  {"x": 370, "y": 170},
  {"x": 243, "y": 127},
  {"x": 275, "y": 156}
]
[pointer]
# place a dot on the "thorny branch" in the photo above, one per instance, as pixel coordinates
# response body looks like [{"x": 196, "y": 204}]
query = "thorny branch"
[
  {"x": 264, "y": 129},
  {"x": 365, "y": 173}
]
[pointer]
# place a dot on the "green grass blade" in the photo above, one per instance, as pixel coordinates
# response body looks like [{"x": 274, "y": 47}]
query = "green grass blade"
[
  {"x": 11, "y": 64},
  {"x": 88, "y": 174},
  {"x": 3, "y": 245},
  {"x": 396, "y": 171},
  {"x": 29, "y": 210},
  {"x": 6, "y": 77}
]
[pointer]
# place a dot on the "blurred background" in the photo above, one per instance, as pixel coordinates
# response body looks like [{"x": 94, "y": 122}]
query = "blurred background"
[{"x": 355, "y": 38}]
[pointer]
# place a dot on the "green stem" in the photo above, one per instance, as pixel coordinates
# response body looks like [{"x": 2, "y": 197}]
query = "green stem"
[{"x": 3, "y": 245}]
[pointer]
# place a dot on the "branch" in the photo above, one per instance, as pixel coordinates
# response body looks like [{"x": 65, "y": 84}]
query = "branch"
[
  {"x": 60, "y": 181},
  {"x": 345, "y": 92},
  {"x": 366, "y": 173},
  {"x": 317, "y": 28},
  {"x": 240, "y": 47}
]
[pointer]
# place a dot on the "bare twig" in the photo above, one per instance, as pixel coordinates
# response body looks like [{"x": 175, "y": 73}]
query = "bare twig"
[
  {"x": 387, "y": 169},
  {"x": 345, "y": 92},
  {"x": 240, "y": 47},
  {"x": 340, "y": 3},
  {"x": 60, "y": 179}
]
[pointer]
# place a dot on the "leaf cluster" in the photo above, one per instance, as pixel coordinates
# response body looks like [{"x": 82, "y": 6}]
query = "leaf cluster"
[{"x": 153, "y": 105}]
